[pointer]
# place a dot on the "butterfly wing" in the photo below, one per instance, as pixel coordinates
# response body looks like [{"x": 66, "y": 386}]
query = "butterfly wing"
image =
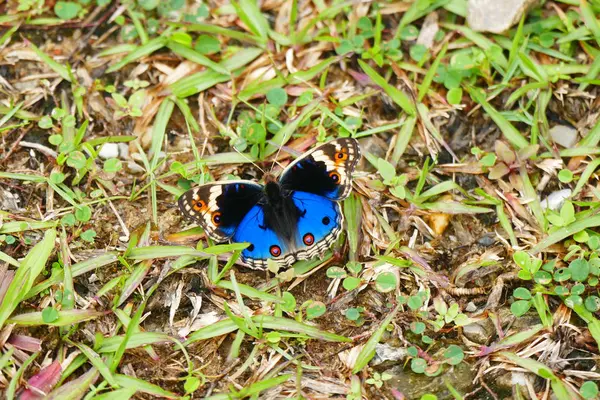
[
  {"x": 220, "y": 207},
  {"x": 319, "y": 224},
  {"x": 325, "y": 171},
  {"x": 264, "y": 242}
]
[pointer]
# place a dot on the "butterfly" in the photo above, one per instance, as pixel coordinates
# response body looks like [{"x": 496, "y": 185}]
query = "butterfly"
[{"x": 293, "y": 218}]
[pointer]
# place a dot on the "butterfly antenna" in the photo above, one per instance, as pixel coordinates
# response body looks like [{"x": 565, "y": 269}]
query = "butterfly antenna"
[
  {"x": 249, "y": 160},
  {"x": 322, "y": 95}
]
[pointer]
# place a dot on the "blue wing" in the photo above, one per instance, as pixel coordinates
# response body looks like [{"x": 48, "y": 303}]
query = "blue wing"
[
  {"x": 318, "y": 226},
  {"x": 264, "y": 243}
]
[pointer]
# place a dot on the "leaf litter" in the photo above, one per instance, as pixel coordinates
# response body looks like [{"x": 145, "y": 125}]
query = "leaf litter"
[{"x": 469, "y": 265}]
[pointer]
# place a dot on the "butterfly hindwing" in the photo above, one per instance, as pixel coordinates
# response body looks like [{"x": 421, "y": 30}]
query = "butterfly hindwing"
[
  {"x": 326, "y": 170},
  {"x": 319, "y": 224},
  {"x": 221, "y": 206},
  {"x": 264, "y": 242}
]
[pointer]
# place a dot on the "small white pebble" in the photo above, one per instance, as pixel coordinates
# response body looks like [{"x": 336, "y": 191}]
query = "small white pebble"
[
  {"x": 555, "y": 200},
  {"x": 566, "y": 136},
  {"x": 109, "y": 150},
  {"x": 124, "y": 151},
  {"x": 134, "y": 168}
]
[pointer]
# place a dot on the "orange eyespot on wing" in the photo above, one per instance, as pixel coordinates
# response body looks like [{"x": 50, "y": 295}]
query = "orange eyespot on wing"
[
  {"x": 198, "y": 205},
  {"x": 216, "y": 218},
  {"x": 335, "y": 177},
  {"x": 341, "y": 156}
]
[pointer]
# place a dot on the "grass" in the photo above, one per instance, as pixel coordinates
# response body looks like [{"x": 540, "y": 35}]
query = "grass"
[{"x": 112, "y": 110}]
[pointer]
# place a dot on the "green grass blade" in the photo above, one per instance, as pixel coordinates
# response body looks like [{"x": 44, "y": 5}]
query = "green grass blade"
[
  {"x": 368, "y": 351},
  {"x": 566, "y": 231},
  {"x": 194, "y": 56},
  {"x": 31, "y": 267},
  {"x": 65, "y": 318},
  {"x": 249, "y": 12},
  {"x": 590, "y": 20},
  {"x": 508, "y": 130},
  {"x": 431, "y": 72},
  {"x": 55, "y": 66},
  {"x": 97, "y": 362},
  {"x": 144, "y": 50},
  {"x": 288, "y": 130},
  {"x": 397, "y": 96},
  {"x": 142, "y": 386},
  {"x": 76, "y": 270}
]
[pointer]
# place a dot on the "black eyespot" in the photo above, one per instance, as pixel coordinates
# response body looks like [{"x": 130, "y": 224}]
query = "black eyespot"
[
  {"x": 326, "y": 220},
  {"x": 216, "y": 218},
  {"x": 308, "y": 239},
  {"x": 250, "y": 248},
  {"x": 275, "y": 250}
]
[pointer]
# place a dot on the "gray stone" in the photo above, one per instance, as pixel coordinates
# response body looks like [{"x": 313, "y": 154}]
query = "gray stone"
[
  {"x": 479, "y": 331},
  {"x": 109, "y": 150},
  {"x": 566, "y": 136},
  {"x": 496, "y": 16},
  {"x": 555, "y": 200}
]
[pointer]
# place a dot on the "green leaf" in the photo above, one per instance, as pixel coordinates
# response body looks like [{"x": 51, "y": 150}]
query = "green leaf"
[
  {"x": 454, "y": 355},
  {"x": 522, "y": 293},
  {"x": 88, "y": 235},
  {"x": 417, "y": 327},
  {"x": 353, "y": 314},
  {"x": 66, "y": 9},
  {"x": 191, "y": 384},
  {"x": 113, "y": 165},
  {"x": 83, "y": 213},
  {"x": 57, "y": 177},
  {"x": 45, "y": 123},
  {"x": 277, "y": 97},
  {"x": 520, "y": 307},
  {"x": 592, "y": 303},
  {"x": 55, "y": 139},
  {"x": 49, "y": 315},
  {"x": 565, "y": 175},
  {"x": 454, "y": 96},
  {"x": 289, "y": 302},
  {"x": 385, "y": 169},
  {"x": 418, "y": 365},
  {"x": 386, "y": 282},
  {"x": 573, "y": 301},
  {"x": 315, "y": 310},
  {"x": 589, "y": 390},
  {"x": 350, "y": 283},
  {"x": 207, "y": 44},
  {"x": 415, "y": 302},
  {"x": 336, "y": 273},
  {"x": 580, "y": 269},
  {"x": 76, "y": 160}
]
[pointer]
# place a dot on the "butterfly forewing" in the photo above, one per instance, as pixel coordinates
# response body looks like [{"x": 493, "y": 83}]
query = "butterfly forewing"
[
  {"x": 326, "y": 170},
  {"x": 220, "y": 207}
]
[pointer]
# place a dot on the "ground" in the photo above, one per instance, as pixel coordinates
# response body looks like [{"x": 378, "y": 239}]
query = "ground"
[{"x": 468, "y": 266}]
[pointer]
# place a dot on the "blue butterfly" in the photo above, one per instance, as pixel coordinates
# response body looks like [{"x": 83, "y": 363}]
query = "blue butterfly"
[{"x": 294, "y": 218}]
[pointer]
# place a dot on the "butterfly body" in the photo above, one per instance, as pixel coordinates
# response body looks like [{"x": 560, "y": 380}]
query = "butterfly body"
[{"x": 294, "y": 218}]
